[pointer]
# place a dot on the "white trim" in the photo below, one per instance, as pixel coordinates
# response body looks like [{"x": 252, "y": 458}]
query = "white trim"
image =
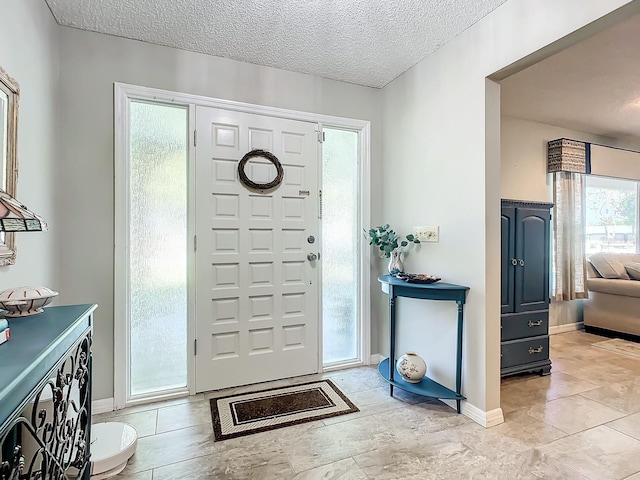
[
  {"x": 124, "y": 93},
  {"x": 494, "y": 417},
  {"x": 121, "y": 345},
  {"x": 320, "y": 366},
  {"x": 191, "y": 254},
  {"x": 364, "y": 252},
  {"x": 486, "y": 419},
  {"x": 104, "y": 405},
  {"x": 155, "y": 94},
  {"x": 121, "y": 247},
  {"x": 569, "y": 327},
  {"x": 375, "y": 359},
  {"x": 168, "y": 395},
  {"x": 332, "y": 367}
]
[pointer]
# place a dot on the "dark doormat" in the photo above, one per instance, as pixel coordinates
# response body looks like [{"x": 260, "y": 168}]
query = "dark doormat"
[{"x": 247, "y": 413}]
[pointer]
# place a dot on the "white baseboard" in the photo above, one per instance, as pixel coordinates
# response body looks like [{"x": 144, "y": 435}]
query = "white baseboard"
[
  {"x": 486, "y": 419},
  {"x": 569, "y": 327},
  {"x": 103, "y": 405},
  {"x": 494, "y": 417},
  {"x": 375, "y": 359}
]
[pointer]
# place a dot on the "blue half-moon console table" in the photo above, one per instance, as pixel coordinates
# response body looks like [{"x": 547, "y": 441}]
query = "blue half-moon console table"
[
  {"x": 45, "y": 395},
  {"x": 432, "y": 291}
]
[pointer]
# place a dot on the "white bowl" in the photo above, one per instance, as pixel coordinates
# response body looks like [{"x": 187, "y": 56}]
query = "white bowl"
[{"x": 24, "y": 301}]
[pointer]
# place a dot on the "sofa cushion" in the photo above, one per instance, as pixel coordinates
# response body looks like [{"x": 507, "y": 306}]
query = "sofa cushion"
[
  {"x": 614, "y": 286},
  {"x": 633, "y": 269},
  {"x": 608, "y": 266}
]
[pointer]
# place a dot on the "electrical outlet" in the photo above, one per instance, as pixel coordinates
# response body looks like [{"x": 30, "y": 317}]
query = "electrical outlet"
[{"x": 426, "y": 234}]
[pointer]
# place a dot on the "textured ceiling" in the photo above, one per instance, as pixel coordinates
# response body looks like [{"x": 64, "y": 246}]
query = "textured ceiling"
[
  {"x": 593, "y": 86},
  {"x": 366, "y": 42}
]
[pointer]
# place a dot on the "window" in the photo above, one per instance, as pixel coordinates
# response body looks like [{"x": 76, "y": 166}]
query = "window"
[
  {"x": 341, "y": 236},
  {"x": 157, "y": 248},
  {"x": 611, "y": 215}
]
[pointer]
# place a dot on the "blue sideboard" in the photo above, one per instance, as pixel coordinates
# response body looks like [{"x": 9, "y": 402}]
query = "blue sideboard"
[
  {"x": 432, "y": 291},
  {"x": 45, "y": 369}
]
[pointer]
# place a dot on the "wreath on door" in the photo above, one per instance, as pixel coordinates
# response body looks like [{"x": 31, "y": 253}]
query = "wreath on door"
[{"x": 260, "y": 186}]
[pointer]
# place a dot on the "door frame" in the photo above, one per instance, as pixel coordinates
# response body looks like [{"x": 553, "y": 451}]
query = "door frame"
[{"x": 123, "y": 94}]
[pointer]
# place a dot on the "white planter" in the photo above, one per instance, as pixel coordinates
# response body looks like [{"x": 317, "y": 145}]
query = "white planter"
[{"x": 411, "y": 367}]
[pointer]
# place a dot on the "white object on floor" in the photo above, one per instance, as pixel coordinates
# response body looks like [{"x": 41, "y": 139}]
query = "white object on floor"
[{"x": 112, "y": 444}]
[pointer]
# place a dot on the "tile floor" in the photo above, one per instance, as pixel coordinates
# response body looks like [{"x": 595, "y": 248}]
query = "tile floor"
[{"x": 581, "y": 422}]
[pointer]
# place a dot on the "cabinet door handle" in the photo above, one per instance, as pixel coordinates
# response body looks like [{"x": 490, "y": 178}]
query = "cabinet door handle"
[
  {"x": 514, "y": 262},
  {"x": 535, "y": 350},
  {"x": 535, "y": 324},
  {"x": 521, "y": 262}
]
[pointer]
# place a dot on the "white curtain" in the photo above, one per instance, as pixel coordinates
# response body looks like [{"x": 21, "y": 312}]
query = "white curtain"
[{"x": 569, "y": 261}]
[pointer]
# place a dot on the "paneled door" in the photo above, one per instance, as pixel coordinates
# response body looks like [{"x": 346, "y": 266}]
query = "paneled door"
[
  {"x": 532, "y": 249},
  {"x": 257, "y": 281},
  {"x": 508, "y": 261}
]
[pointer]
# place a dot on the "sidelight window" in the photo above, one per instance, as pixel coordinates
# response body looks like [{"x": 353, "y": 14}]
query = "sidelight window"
[
  {"x": 341, "y": 239},
  {"x": 157, "y": 248}
]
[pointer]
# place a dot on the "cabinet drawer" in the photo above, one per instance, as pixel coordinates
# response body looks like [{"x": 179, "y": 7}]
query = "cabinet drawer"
[
  {"x": 518, "y": 352},
  {"x": 523, "y": 325}
]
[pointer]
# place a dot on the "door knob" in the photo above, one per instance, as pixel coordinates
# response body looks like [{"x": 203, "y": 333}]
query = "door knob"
[{"x": 312, "y": 256}]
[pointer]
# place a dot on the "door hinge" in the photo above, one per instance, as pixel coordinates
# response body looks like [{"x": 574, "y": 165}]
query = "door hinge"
[
  {"x": 195, "y": 243},
  {"x": 321, "y": 136},
  {"x": 319, "y": 203},
  {"x": 195, "y": 347},
  {"x": 195, "y": 138}
]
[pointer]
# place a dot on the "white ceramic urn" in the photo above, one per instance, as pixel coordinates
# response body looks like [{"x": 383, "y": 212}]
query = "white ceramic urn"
[
  {"x": 411, "y": 367},
  {"x": 395, "y": 262}
]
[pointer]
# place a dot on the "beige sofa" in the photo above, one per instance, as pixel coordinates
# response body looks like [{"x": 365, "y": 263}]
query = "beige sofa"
[{"x": 613, "y": 280}]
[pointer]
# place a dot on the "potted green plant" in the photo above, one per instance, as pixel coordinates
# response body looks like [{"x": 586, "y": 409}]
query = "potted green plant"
[{"x": 391, "y": 245}]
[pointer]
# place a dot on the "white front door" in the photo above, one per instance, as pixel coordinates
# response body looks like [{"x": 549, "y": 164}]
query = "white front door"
[{"x": 256, "y": 291}]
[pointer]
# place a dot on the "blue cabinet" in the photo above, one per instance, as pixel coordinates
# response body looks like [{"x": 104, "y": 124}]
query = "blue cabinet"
[
  {"x": 45, "y": 394},
  {"x": 525, "y": 237}
]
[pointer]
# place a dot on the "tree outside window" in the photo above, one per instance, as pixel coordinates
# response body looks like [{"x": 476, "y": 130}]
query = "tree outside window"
[{"x": 611, "y": 213}]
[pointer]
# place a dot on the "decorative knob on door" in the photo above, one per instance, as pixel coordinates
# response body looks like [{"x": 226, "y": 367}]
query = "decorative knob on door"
[
  {"x": 521, "y": 263},
  {"x": 514, "y": 261},
  {"x": 312, "y": 256}
]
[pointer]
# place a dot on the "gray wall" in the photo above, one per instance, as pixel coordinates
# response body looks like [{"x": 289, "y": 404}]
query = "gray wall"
[
  {"x": 91, "y": 63},
  {"x": 523, "y": 163},
  {"x": 29, "y": 54},
  {"x": 442, "y": 167}
]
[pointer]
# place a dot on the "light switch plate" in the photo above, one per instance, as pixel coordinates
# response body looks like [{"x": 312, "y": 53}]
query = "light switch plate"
[{"x": 427, "y": 234}]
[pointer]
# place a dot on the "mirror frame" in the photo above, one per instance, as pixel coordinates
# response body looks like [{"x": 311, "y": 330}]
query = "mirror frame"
[{"x": 10, "y": 87}]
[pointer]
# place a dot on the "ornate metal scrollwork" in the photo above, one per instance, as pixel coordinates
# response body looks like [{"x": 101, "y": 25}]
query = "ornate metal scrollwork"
[{"x": 51, "y": 440}]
